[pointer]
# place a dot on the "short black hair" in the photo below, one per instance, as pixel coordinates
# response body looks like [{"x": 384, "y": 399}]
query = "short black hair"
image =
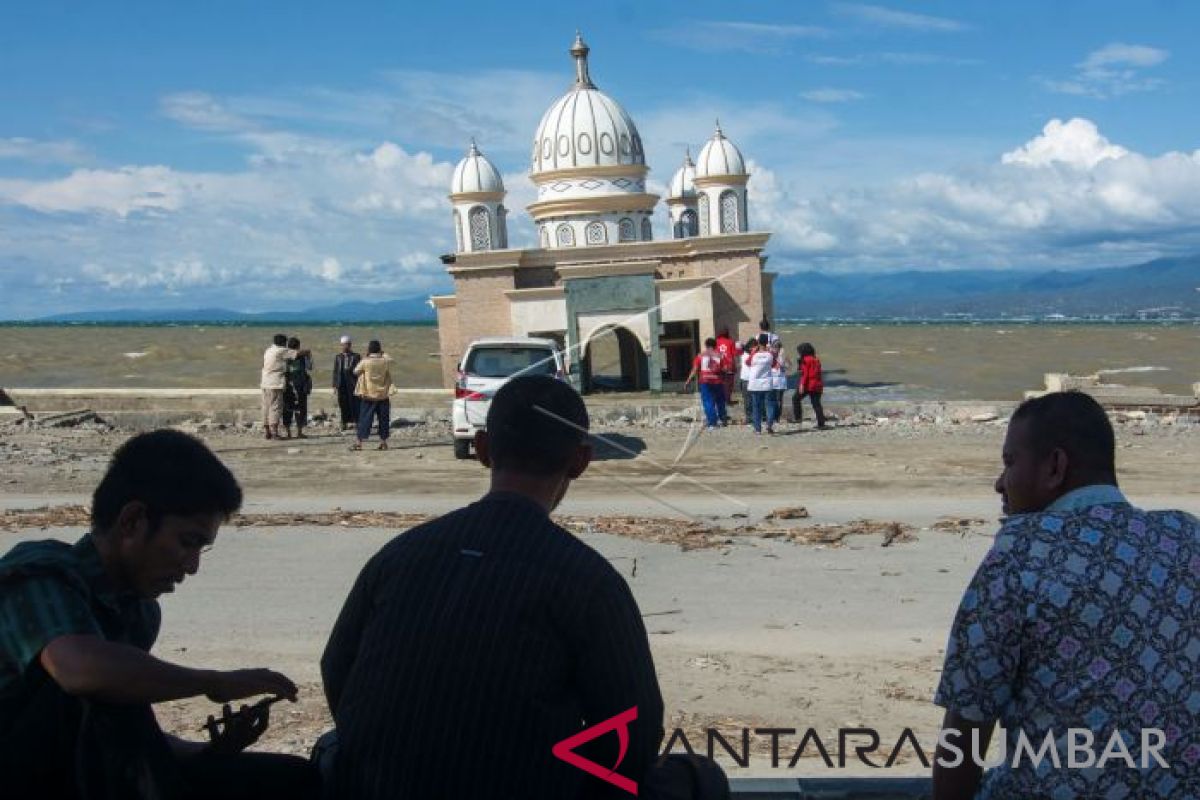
[
  {"x": 751, "y": 342},
  {"x": 710, "y": 342},
  {"x": 763, "y": 339},
  {"x": 172, "y": 473},
  {"x": 293, "y": 343},
  {"x": 280, "y": 340},
  {"x": 535, "y": 424},
  {"x": 1074, "y": 422},
  {"x": 806, "y": 349},
  {"x": 374, "y": 346},
  {"x": 764, "y": 325}
]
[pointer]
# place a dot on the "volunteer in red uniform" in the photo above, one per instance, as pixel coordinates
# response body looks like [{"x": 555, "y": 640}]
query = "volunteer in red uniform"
[
  {"x": 809, "y": 384},
  {"x": 707, "y": 366},
  {"x": 728, "y": 349}
]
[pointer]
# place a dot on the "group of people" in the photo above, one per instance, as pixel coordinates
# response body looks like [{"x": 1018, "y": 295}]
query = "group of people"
[
  {"x": 761, "y": 371},
  {"x": 474, "y": 651},
  {"x": 361, "y": 385}
]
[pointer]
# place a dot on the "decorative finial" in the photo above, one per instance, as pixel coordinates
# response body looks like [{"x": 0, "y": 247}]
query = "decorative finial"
[
  {"x": 687, "y": 157},
  {"x": 473, "y": 150},
  {"x": 719, "y": 134},
  {"x": 580, "y": 51}
]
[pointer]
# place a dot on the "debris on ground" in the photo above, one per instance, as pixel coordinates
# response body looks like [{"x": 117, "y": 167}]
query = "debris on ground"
[
  {"x": 957, "y": 523},
  {"x": 789, "y": 512}
]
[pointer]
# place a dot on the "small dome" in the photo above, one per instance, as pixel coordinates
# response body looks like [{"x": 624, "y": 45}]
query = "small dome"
[
  {"x": 475, "y": 174},
  {"x": 720, "y": 157},
  {"x": 585, "y": 127},
  {"x": 682, "y": 186}
]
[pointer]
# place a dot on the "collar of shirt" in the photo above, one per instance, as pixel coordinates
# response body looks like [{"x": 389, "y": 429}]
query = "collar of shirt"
[
  {"x": 91, "y": 569},
  {"x": 1098, "y": 494}
]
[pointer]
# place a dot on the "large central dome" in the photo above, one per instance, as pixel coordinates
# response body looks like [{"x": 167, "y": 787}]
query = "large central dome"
[{"x": 585, "y": 127}]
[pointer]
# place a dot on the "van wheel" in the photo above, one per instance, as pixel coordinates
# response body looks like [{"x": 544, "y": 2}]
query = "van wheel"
[{"x": 462, "y": 448}]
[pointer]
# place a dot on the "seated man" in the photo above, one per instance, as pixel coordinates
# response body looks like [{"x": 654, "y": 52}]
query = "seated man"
[
  {"x": 76, "y": 626},
  {"x": 1082, "y": 616},
  {"x": 472, "y": 644}
]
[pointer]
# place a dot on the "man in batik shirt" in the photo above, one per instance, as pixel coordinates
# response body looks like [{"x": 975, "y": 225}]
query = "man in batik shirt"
[{"x": 1081, "y": 621}]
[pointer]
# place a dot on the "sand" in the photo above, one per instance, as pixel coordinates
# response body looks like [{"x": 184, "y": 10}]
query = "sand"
[{"x": 760, "y": 625}]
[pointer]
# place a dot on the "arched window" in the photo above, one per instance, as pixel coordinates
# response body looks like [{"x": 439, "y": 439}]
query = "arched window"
[
  {"x": 688, "y": 224},
  {"x": 729, "y": 212},
  {"x": 625, "y": 230},
  {"x": 596, "y": 233},
  {"x": 458, "y": 244},
  {"x": 481, "y": 229},
  {"x": 702, "y": 204},
  {"x": 647, "y": 230},
  {"x": 565, "y": 235},
  {"x": 545, "y": 236},
  {"x": 502, "y": 227}
]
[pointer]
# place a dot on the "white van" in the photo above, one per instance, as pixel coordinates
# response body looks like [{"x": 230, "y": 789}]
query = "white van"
[{"x": 487, "y": 365}]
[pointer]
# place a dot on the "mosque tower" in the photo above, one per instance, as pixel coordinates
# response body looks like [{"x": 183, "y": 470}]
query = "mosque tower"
[
  {"x": 589, "y": 168},
  {"x": 477, "y": 193},
  {"x": 681, "y": 200},
  {"x": 720, "y": 182}
]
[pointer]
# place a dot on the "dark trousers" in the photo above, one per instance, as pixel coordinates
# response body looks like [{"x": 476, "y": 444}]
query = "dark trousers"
[
  {"x": 745, "y": 399},
  {"x": 295, "y": 407},
  {"x": 368, "y": 412},
  {"x": 762, "y": 409},
  {"x": 798, "y": 406},
  {"x": 61, "y": 748},
  {"x": 347, "y": 404}
]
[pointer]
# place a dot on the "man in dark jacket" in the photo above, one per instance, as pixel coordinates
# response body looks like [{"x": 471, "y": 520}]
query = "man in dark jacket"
[
  {"x": 344, "y": 380},
  {"x": 472, "y": 646}
]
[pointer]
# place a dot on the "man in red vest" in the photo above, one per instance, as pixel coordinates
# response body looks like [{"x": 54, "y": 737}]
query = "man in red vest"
[
  {"x": 708, "y": 367},
  {"x": 727, "y": 347}
]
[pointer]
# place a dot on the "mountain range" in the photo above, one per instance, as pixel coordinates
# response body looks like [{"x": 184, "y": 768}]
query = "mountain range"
[{"x": 1163, "y": 287}]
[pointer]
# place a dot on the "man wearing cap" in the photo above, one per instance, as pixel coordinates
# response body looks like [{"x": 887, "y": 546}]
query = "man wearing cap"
[{"x": 344, "y": 380}]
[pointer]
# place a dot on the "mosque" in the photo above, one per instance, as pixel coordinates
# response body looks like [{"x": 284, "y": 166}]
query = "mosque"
[{"x": 599, "y": 270}]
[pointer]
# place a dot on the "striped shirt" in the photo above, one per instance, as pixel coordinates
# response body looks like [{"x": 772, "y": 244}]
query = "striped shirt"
[
  {"x": 50, "y": 589},
  {"x": 472, "y": 644}
]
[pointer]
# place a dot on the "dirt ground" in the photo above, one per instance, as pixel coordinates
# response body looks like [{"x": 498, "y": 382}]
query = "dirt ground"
[{"x": 829, "y": 613}]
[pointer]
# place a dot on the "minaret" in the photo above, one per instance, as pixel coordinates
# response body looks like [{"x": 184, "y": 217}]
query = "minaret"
[
  {"x": 720, "y": 182},
  {"x": 477, "y": 193},
  {"x": 681, "y": 200}
]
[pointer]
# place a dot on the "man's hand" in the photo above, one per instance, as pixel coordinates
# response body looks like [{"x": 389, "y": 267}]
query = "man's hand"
[
  {"x": 239, "y": 683},
  {"x": 234, "y": 732}
]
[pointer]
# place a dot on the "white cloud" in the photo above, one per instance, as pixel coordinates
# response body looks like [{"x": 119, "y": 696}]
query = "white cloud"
[
  {"x": 1077, "y": 143},
  {"x": 1111, "y": 71},
  {"x": 1066, "y": 197},
  {"x": 121, "y": 192},
  {"x": 746, "y": 37},
  {"x": 891, "y": 18},
  {"x": 831, "y": 95},
  {"x": 20, "y": 148},
  {"x": 892, "y": 58}
]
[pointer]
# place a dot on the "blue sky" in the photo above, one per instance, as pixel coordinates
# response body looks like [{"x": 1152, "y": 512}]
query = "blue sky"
[{"x": 279, "y": 155}]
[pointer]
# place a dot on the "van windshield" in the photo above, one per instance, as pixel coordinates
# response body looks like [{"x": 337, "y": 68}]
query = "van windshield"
[{"x": 504, "y": 362}]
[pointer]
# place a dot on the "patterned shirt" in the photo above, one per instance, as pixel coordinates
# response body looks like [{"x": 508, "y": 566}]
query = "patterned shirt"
[
  {"x": 50, "y": 589},
  {"x": 1084, "y": 616}
]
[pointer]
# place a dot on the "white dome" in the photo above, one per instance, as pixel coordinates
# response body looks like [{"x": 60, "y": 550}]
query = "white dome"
[
  {"x": 719, "y": 157},
  {"x": 682, "y": 186},
  {"x": 585, "y": 127},
  {"x": 475, "y": 174}
]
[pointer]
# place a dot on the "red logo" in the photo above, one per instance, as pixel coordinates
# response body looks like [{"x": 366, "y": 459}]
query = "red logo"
[{"x": 565, "y": 749}]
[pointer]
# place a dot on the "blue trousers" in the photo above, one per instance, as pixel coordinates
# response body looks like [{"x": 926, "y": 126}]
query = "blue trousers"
[
  {"x": 762, "y": 409},
  {"x": 368, "y": 412},
  {"x": 712, "y": 397}
]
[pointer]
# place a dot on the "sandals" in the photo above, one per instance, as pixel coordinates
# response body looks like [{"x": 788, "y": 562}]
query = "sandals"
[{"x": 356, "y": 446}]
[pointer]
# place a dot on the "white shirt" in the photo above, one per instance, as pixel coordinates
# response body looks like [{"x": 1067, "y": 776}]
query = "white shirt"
[
  {"x": 759, "y": 371},
  {"x": 779, "y": 372},
  {"x": 275, "y": 360}
]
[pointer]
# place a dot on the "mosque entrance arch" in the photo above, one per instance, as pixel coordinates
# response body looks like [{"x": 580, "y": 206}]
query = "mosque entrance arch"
[{"x": 614, "y": 360}]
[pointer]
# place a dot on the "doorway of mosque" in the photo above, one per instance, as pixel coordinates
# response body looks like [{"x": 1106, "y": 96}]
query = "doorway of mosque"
[{"x": 614, "y": 361}]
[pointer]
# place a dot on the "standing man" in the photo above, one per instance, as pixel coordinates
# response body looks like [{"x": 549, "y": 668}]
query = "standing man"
[
  {"x": 707, "y": 366},
  {"x": 77, "y": 623},
  {"x": 297, "y": 387},
  {"x": 494, "y": 632},
  {"x": 344, "y": 380},
  {"x": 274, "y": 380},
  {"x": 728, "y": 349},
  {"x": 758, "y": 383},
  {"x": 1081, "y": 621},
  {"x": 764, "y": 329}
]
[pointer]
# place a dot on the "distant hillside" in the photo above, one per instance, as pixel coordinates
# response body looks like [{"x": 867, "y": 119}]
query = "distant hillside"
[
  {"x": 1167, "y": 283},
  {"x": 1164, "y": 283},
  {"x": 409, "y": 309}
]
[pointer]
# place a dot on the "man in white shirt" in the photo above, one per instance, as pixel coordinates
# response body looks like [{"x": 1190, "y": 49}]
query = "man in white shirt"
[
  {"x": 762, "y": 398},
  {"x": 274, "y": 374}
]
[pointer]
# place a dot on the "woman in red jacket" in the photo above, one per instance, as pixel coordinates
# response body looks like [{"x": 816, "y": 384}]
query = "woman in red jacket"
[{"x": 809, "y": 384}]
